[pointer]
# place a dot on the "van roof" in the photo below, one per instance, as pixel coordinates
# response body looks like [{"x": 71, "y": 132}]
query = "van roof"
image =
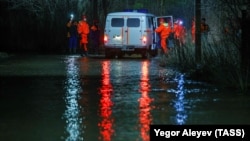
[{"x": 129, "y": 14}]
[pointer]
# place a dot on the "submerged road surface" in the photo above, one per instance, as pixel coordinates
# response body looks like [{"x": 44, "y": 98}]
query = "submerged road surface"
[{"x": 72, "y": 98}]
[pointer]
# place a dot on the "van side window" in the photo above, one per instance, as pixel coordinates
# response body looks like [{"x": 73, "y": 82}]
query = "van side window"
[
  {"x": 117, "y": 22},
  {"x": 133, "y": 22}
]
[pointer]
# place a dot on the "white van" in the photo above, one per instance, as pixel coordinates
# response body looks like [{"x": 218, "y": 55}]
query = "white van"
[{"x": 131, "y": 33}]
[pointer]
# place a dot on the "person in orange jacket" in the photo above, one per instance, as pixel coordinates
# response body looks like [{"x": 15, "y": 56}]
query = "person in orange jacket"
[
  {"x": 193, "y": 30},
  {"x": 179, "y": 33},
  {"x": 83, "y": 31},
  {"x": 204, "y": 30},
  {"x": 164, "y": 30}
]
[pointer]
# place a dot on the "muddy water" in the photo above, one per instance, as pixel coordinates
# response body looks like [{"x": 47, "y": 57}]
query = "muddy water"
[{"x": 73, "y": 99}]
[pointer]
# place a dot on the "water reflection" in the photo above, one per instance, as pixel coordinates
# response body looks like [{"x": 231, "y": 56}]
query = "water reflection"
[
  {"x": 106, "y": 123},
  {"x": 145, "y": 117},
  {"x": 181, "y": 115},
  {"x": 72, "y": 112}
]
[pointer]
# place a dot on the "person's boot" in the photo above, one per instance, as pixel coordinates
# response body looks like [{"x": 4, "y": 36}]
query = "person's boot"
[
  {"x": 70, "y": 50},
  {"x": 74, "y": 50},
  {"x": 82, "y": 52},
  {"x": 86, "y": 53},
  {"x": 158, "y": 53}
]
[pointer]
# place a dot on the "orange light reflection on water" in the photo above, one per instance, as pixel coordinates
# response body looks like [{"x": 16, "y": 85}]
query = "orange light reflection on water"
[
  {"x": 106, "y": 123},
  {"x": 145, "y": 117}
]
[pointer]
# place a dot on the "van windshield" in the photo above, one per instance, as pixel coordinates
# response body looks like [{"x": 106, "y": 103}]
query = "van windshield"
[
  {"x": 133, "y": 22},
  {"x": 117, "y": 22}
]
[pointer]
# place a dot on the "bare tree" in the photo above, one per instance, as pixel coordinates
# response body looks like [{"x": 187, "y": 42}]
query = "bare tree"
[{"x": 51, "y": 15}]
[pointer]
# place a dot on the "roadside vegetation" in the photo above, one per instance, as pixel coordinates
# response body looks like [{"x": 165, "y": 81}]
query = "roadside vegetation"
[{"x": 220, "y": 65}]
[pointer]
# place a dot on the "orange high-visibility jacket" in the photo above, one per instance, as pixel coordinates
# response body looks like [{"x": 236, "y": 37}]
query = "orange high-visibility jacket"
[
  {"x": 83, "y": 30},
  {"x": 193, "y": 31},
  {"x": 163, "y": 30},
  {"x": 179, "y": 31},
  {"x": 93, "y": 27}
]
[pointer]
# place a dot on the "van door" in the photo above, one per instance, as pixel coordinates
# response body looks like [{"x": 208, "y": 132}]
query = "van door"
[
  {"x": 124, "y": 31},
  {"x": 115, "y": 30},
  {"x": 133, "y": 31},
  {"x": 169, "y": 20}
]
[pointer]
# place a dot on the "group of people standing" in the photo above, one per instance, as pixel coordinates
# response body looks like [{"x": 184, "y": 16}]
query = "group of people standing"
[
  {"x": 177, "y": 34},
  {"x": 168, "y": 34},
  {"x": 78, "y": 34}
]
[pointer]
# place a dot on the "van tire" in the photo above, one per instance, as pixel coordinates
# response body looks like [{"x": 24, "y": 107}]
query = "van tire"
[
  {"x": 120, "y": 55},
  {"x": 108, "y": 54},
  {"x": 153, "y": 53},
  {"x": 145, "y": 54}
]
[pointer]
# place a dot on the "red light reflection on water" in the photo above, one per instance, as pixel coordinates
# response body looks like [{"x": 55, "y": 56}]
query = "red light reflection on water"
[
  {"x": 106, "y": 123},
  {"x": 145, "y": 117}
]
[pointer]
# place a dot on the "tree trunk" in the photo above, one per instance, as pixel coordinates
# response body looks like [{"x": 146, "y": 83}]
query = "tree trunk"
[
  {"x": 95, "y": 9},
  {"x": 197, "y": 31}
]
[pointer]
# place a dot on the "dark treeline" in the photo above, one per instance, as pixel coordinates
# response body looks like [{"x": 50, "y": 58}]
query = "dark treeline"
[{"x": 40, "y": 26}]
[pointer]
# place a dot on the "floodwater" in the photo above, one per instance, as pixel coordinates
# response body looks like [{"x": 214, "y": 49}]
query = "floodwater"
[{"x": 68, "y": 98}]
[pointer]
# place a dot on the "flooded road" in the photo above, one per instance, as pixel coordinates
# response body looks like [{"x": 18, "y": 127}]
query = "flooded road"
[{"x": 55, "y": 98}]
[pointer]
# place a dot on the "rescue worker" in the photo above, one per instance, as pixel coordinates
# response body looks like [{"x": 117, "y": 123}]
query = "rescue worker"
[
  {"x": 95, "y": 37},
  {"x": 204, "y": 30},
  {"x": 164, "y": 31},
  {"x": 83, "y": 31},
  {"x": 193, "y": 30},
  {"x": 72, "y": 35},
  {"x": 179, "y": 33}
]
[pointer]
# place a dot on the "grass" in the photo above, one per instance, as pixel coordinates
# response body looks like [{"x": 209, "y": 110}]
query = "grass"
[{"x": 220, "y": 64}]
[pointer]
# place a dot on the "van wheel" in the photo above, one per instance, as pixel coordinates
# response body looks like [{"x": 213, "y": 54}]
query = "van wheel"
[
  {"x": 154, "y": 52},
  {"x": 108, "y": 54},
  {"x": 120, "y": 55},
  {"x": 145, "y": 55}
]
